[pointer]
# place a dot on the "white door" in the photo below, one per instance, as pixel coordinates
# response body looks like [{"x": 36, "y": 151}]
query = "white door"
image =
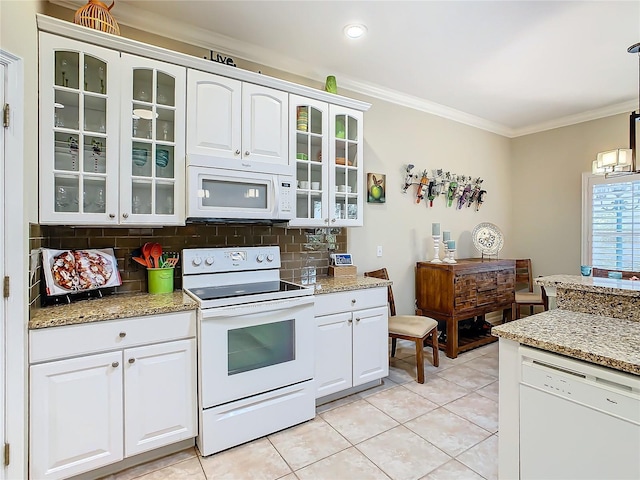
[
  {"x": 333, "y": 337},
  {"x": 213, "y": 120},
  {"x": 75, "y": 415},
  {"x": 370, "y": 345},
  {"x": 160, "y": 395},
  {"x": 265, "y": 134},
  {"x": 3, "y": 330}
]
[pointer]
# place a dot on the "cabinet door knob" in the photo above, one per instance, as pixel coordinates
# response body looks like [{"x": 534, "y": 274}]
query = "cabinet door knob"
[
  {"x": 123, "y": 334},
  {"x": 125, "y": 215},
  {"x": 357, "y": 319},
  {"x": 237, "y": 152},
  {"x": 115, "y": 364},
  {"x": 353, "y": 301},
  {"x": 333, "y": 220},
  {"x": 247, "y": 153},
  {"x": 326, "y": 220},
  {"x": 132, "y": 360},
  {"x": 350, "y": 320},
  {"x": 112, "y": 215}
]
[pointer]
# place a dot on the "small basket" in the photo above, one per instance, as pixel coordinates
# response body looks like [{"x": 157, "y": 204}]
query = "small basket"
[{"x": 96, "y": 15}]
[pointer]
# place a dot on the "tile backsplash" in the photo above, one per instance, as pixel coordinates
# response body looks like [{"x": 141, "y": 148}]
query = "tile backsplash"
[{"x": 299, "y": 247}]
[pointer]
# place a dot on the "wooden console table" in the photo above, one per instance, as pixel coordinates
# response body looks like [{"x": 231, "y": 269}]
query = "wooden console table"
[{"x": 470, "y": 288}]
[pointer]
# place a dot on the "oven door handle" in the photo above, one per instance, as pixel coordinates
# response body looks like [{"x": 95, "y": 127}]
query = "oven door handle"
[{"x": 257, "y": 307}]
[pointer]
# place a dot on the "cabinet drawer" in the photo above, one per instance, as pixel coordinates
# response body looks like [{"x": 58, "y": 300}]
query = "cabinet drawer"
[
  {"x": 68, "y": 341},
  {"x": 329, "y": 303}
]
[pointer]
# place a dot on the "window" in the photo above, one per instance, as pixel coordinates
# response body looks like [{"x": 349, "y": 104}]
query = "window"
[{"x": 611, "y": 222}]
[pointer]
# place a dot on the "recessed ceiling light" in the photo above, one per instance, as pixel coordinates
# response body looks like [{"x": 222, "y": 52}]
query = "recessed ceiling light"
[{"x": 355, "y": 30}]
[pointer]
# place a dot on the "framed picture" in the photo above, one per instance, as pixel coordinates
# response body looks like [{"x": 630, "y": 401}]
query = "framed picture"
[{"x": 376, "y": 186}]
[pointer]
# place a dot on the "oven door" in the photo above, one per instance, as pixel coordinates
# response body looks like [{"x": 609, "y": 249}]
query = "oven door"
[{"x": 253, "y": 348}]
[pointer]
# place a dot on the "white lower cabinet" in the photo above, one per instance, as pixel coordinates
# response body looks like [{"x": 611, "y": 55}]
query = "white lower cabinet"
[
  {"x": 351, "y": 339},
  {"x": 96, "y": 409}
]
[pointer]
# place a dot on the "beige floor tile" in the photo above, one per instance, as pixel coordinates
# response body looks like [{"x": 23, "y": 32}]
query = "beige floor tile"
[
  {"x": 402, "y": 454},
  {"x": 467, "y": 377},
  {"x": 485, "y": 364},
  {"x": 477, "y": 409},
  {"x": 359, "y": 421},
  {"x": 449, "y": 432},
  {"x": 190, "y": 469},
  {"x": 290, "y": 476},
  {"x": 347, "y": 464},
  {"x": 401, "y": 404},
  {"x": 453, "y": 470},
  {"x": 404, "y": 348},
  {"x": 402, "y": 372},
  {"x": 258, "y": 460},
  {"x": 483, "y": 458},
  {"x": 154, "y": 465},
  {"x": 309, "y": 442},
  {"x": 490, "y": 391},
  {"x": 438, "y": 390}
]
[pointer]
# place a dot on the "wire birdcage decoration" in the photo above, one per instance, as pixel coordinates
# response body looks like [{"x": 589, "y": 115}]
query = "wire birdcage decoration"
[{"x": 96, "y": 15}]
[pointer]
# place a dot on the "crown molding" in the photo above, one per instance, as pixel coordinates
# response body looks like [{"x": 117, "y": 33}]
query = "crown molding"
[{"x": 198, "y": 37}]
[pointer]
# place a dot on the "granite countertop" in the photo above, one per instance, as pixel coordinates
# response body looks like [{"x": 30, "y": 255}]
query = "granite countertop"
[
  {"x": 111, "y": 307},
  {"x": 345, "y": 284},
  {"x": 628, "y": 288},
  {"x": 607, "y": 341}
]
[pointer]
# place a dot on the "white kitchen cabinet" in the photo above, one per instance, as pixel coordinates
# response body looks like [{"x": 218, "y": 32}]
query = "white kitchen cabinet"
[
  {"x": 130, "y": 388},
  {"x": 351, "y": 339},
  {"x": 325, "y": 142},
  {"x": 111, "y": 136},
  {"x": 236, "y": 125}
]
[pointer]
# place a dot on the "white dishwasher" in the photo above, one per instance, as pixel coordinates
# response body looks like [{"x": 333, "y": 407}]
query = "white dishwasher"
[{"x": 577, "y": 420}]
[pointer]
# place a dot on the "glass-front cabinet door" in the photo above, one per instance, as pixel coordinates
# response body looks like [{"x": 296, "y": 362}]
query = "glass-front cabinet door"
[
  {"x": 152, "y": 151},
  {"x": 309, "y": 146},
  {"x": 79, "y": 127},
  {"x": 346, "y": 171}
]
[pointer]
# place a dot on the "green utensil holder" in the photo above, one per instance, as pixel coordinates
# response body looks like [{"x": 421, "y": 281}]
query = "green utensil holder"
[{"x": 160, "y": 280}]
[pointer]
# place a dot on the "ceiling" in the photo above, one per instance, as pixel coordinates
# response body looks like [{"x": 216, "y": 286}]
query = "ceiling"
[{"x": 511, "y": 67}]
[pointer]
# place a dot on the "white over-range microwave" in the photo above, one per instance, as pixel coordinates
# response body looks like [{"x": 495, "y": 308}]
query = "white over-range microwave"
[{"x": 216, "y": 194}]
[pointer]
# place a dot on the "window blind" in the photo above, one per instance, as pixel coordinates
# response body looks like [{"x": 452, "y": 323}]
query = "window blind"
[{"x": 615, "y": 222}]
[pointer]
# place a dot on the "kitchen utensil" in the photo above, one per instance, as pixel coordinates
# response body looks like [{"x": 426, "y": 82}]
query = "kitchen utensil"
[
  {"x": 146, "y": 254},
  {"x": 156, "y": 253},
  {"x": 170, "y": 262},
  {"x": 141, "y": 261}
]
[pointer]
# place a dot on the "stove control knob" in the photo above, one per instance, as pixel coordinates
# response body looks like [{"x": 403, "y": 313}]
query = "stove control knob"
[
  {"x": 260, "y": 258},
  {"x": 197, "y": 261},
  {"x": 270, "y": 257},
  {"x": 209, "y": 261}
]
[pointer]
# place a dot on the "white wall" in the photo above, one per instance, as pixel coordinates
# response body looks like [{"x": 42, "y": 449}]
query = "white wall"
[{"x": 546, "y": 190}]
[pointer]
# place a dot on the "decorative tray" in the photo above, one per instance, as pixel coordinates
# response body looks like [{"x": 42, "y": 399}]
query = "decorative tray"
[{"x": 487, "y": 238}]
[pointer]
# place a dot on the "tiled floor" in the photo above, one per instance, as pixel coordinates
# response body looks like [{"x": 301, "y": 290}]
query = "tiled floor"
[{"x": 446, "y": 428}]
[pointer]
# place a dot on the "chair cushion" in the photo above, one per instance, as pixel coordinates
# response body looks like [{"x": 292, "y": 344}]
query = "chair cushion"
[
  {"x": 411, "y": 325},
  {"x": 528, "y": 297}
]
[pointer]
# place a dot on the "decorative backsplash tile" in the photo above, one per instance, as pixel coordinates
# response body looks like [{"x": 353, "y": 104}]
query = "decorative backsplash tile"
[{"x": 293, "y": 242}]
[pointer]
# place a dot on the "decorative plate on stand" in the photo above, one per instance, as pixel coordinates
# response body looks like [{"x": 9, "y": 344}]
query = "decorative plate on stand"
[{"x": 487, "y": 238}]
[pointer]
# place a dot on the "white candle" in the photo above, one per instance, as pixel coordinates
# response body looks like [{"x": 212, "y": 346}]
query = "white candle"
[
  {"x": 435, "y": 229},
  {"x": 446, "y": 236}
]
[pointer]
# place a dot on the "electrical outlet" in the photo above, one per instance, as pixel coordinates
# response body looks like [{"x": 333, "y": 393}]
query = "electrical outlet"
[{"x": 379, "y": 251}]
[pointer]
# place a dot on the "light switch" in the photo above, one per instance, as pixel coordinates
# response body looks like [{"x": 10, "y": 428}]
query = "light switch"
[{"x": 379, "y": 251}]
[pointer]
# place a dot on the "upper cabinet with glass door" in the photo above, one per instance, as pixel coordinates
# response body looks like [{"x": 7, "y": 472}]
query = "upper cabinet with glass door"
[
  {"x": 152, "y": 142},
  {"x": 326, "y": 142},
  {"x": 309, "y": 146},
  {"x": 79, "y": 122},
  {"x": 345, "y": 149}
]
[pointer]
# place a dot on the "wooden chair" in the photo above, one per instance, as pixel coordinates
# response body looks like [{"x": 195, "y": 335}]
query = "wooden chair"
[
  {"x": 409, "y": 327},
  {"x": 524, "y": 278}
]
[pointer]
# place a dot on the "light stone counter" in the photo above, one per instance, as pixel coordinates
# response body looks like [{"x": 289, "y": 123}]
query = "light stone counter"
[
  {"x": 600, "y": 296},
  {"x": 111, "y": 307},
  {"x": 611, "y": 342},
  {"x": 345, "y": 284}
]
